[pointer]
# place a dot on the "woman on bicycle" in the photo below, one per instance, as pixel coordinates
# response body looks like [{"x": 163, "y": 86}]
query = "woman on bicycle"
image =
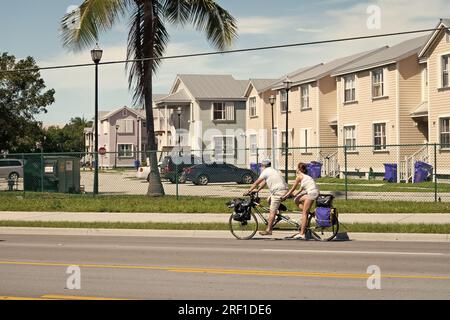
[{"x": 306, "y": 196}]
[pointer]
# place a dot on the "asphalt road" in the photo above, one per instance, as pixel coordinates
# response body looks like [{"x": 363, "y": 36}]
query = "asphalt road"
[{"x": 192, "y": 268}]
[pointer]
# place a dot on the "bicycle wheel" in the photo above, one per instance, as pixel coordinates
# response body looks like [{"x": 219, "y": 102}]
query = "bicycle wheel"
[
  {"x": 244, "y": 230},
  {"x": 323, "y": 233}
]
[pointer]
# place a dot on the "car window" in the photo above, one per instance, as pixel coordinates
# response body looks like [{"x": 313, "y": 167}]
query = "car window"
[
  {"x": 4, "y": 163},
  {"x": 15, "y": 163}
]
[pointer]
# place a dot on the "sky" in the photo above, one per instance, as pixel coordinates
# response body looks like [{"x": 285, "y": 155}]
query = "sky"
[{"x": 31, "y": 28}]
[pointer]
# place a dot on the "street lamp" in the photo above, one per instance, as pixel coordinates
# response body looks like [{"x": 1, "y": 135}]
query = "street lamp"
[
  {"x": 96, "y": 55},
  {"x": 117, "y": 146},
  {"x": 287, "y": 86},
  {"x": 272, "y": 101},
  {"x": 179, "y": 129}
]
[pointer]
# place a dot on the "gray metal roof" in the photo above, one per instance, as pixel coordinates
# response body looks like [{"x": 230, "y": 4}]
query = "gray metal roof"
[
  {"x": 326, "y": 69},
  {"x": 384, "y": 57},
  {"x": 158, "y": 96},
  {"x": 177, "y": 97},
  {"x": 206, "y": 87},
  {"x": 446, "y": 22},
  {"x": 277, "y": 84},
  {"x": 261, "y": 84}
]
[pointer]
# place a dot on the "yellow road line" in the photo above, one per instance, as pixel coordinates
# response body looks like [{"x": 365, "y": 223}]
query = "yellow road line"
[
  {"x": 19, "y": 298},
  {"x": 230, "y": 271},
  {"x": 61, "y": 297}
]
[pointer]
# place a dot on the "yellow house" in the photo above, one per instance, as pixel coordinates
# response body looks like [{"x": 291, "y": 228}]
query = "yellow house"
[
  {"x": 313, "y": 132},
  {"x": 434, "y": 112},
  {"x": 376, "y": 96},
  {"x": 260, "y": 119}
]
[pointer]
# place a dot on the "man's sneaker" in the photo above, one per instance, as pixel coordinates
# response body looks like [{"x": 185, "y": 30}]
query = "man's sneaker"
[{"x": 265, "y": 233}]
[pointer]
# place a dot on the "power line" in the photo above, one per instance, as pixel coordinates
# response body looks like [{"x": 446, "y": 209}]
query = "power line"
[{"x": 202, "y": 54}]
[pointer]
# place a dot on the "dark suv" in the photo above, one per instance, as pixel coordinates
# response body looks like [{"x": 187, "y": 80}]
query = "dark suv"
[{"x": 168, "y": 168}]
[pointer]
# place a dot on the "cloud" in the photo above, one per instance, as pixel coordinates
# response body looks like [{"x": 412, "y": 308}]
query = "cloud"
[{"x": 265, "y": 25}]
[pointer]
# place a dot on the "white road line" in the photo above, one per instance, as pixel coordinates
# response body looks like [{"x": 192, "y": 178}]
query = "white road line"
[{"x": 356, "y": 252}]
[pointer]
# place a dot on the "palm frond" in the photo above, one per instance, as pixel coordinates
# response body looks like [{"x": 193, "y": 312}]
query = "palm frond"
[
  {"x": 95, "y": 16},
  {"x": 218, "y": 24}
]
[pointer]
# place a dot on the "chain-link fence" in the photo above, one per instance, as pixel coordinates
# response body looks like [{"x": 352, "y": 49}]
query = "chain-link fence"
[{"x": 394, "y": 172}]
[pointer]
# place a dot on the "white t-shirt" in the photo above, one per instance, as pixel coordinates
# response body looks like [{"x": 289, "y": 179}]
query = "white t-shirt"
[
  {"x": 274, "y": 180},
  {"x": 308, "y": 184}
]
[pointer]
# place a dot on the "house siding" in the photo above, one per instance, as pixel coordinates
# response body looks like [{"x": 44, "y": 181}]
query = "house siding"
[
  {"x": 363, "y": 114},
  {"x": 410, "y": 86},
  {"x": 439, "y": 99}
]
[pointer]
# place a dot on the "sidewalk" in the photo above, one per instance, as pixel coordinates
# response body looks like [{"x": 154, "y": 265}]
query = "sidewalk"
[{"x": 385, "y": 218}]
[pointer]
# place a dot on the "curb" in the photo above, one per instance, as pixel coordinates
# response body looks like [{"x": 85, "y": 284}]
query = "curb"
[{"x": 409, "y": 237}]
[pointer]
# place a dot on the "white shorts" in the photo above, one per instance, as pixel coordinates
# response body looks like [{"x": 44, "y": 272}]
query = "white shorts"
[{"x": 313, "y": 195}]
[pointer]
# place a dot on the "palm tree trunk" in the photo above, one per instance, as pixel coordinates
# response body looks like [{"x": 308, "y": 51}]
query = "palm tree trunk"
[{"x": 155, "y": 187}]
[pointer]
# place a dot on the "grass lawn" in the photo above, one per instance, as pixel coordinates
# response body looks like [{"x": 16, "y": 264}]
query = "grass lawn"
[
  {"x": 357, "y": 227},
  {"x": 52, "y": 202},
  {"x": 331, "y": 184}
]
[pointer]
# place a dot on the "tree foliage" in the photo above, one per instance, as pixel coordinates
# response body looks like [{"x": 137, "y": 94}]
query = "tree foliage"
[{"x": 23, "y": 95}]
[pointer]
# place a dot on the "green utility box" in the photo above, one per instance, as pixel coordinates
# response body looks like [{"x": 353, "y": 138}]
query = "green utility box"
[{"x": 52, "y": 174}]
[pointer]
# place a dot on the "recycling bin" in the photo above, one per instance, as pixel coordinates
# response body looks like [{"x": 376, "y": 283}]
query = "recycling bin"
[
  {"x": 255, "y": 167},
  {"x": 422, "y": 171},
  {"x": 390, "y": 172},
  {"x": 315, "y": 169}
]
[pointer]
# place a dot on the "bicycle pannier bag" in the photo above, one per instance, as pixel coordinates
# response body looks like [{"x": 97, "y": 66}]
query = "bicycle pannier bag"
[
  {"x": 324, "y": 200},
  {"x": 323, "y": 217}
]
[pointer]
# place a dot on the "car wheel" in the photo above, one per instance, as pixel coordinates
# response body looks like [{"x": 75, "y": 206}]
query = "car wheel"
[
  {"x": 13, "y": 176},
  {"x": 203, "y": 180},
  {"x": 247, "y": 179}
]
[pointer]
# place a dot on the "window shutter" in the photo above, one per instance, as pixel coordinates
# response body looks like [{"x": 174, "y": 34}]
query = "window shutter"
[
  {"x": 302, "y": 139},
  {"x": 308, "y": 141},
  {"x": 229, "y": 111},
  {"x": 385, "y": 82}
]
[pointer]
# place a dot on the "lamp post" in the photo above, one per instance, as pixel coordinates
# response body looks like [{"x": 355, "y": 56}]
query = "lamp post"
[
  {"x": 179, "y": 129},
  {"x": 96, "y": 55},
  {"x": 272, "y": 100},
  {"x": 287, "y": 86},
  {"x": 139, "y": 138},
  {"x": 117, "y": 146}
]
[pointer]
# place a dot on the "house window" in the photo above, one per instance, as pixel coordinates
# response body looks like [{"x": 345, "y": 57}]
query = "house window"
[
  {"x": 125, "y": 126},
  {"x": 219, "y": 111},
  {"x": 379, "y": 136},
  {"x": 252, "y": 107},
  {"x": 377, "y": 83},
  {"x": 223, "y": 111},
  {"x": 445, "y": 133},
  {"x": 125, "y": 150},
  {"x": 350, "y": 138},
  {"x": 253, "y": 144},
  {"x": 304, "y": 97},
  {"x": 224, "y": 146},
  {"x": 445, "y": 82},
  {"x": 349, "y": 89},
  {"x": 124, "y": 112},
  {"x": 283, "y": 101}
]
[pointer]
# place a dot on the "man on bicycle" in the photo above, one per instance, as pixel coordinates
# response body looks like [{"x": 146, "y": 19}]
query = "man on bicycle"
[{"x": 278, "y": 189}]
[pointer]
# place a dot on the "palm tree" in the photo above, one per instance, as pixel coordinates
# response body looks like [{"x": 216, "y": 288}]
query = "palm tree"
[{"x": 148, "y": 38}]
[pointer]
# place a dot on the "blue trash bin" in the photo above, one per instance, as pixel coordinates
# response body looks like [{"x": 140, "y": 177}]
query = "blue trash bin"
[
  {"x": 137, "y": 164},
  {"x": 255, "y": 167},
  {"x": 422, "y": 171},
  {"x": 314, "y": 169},
  {"x": 390, "y": 172}
]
